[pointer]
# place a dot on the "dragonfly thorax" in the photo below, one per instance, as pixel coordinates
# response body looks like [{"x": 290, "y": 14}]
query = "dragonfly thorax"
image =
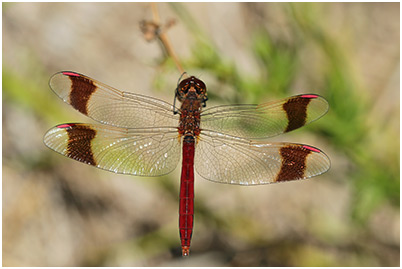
[{"x": 190, "y": 117}]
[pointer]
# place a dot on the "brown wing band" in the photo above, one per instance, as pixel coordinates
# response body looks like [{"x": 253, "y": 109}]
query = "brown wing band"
[
  {"x": 79, "y": 143},
  {"x": 81, "y": 90},
  {"x": 296, "y": 111},
  {"x": 293, "y": 163}
]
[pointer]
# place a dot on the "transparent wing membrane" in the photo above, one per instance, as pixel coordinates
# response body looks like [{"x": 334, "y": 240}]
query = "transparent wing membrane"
[
  {"x": 141, "y": 152},
  {"x": 225, "y": 159},
  {"x": 265, "y": 120},
  {"x": 141, "y": 136},
  {"x": 111, "y": 106}
]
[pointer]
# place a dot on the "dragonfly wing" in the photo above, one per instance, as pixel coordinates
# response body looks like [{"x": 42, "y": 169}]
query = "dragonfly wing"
[
  {"x": 233, "y": 160},
  {"x": 265, "y": 120},
  {"x": 111, "y": 106},
  {"x": 142, "y": 152}
]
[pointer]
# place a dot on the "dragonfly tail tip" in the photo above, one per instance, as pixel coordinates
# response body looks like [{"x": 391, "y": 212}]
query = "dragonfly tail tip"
[{"x": 185, "y": 250}]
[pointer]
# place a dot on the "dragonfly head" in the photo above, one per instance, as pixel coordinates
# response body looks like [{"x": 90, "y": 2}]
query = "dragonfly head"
[{"x": 192, "y": 87}]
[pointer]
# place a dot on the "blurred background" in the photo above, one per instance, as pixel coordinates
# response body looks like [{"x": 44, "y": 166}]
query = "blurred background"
[{"x": 59, "y": 212}]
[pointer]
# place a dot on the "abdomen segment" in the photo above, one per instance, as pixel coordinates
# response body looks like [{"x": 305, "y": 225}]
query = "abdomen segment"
[{"x": 186, "y": 208}]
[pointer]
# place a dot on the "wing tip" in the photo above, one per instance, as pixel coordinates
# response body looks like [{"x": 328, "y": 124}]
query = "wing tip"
[
  {"x": 65, "y": 125},
  {"x": 309, "y": 96},
  {"x": 326, "y": 161},
  {"x": 312, "y": 96},
  {"x": 70, "y": 73},
  {"x": 312, "y": 148},
  {"x": 63, "y": 73}
]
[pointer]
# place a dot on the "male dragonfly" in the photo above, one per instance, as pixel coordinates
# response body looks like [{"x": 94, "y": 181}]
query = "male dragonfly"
[{"x": 145, "y": 136}]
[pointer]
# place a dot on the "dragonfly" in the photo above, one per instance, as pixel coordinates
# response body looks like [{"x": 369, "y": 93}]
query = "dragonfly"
[{"x": 144, "y": 136}]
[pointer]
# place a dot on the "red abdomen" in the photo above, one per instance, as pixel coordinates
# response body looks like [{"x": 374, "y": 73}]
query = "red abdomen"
[{"x": 186, "y": 208}]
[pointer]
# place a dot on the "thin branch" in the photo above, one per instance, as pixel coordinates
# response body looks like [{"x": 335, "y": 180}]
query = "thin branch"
[
  {"x": 153, "y": 29},
  {"x": 155, "y": 13}
]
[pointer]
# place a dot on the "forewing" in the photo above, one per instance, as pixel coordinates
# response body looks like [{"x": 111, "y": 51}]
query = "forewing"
[
  {"x": 142, "y": 152},
  {"x": 226, "y": 159},
  {"x": 110, "y": 106},
  {"x": 265, "y": 120}
]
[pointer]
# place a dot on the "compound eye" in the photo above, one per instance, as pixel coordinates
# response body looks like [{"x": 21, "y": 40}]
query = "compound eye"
[
  {"x": 201, "y": 84},
  {"x": 183, "y": 83},
  {"x": 201, "y": 88},
  {"x": 184, "y": 86}
]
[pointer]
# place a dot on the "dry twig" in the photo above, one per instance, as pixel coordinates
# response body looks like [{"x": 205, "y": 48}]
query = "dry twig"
[{"x": 155, "y": 30}]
